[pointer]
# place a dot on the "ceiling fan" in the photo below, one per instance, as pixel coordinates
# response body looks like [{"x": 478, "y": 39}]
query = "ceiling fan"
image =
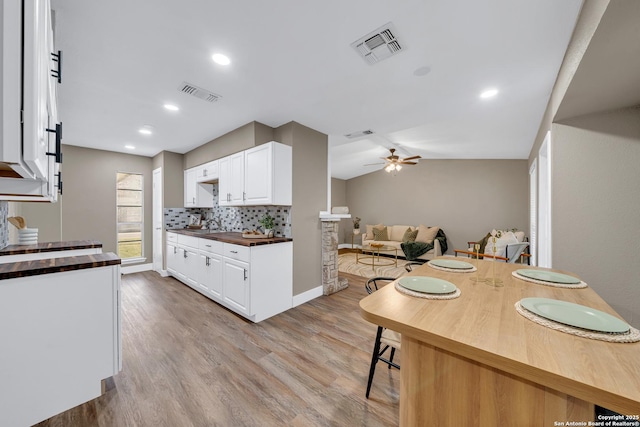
[{"x": 393, "y": 163}]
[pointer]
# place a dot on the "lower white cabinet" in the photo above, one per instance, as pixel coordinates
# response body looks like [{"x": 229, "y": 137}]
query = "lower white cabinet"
[
  {"x": 210, "y": 278},
  {"x": 237, "y": 285},
  {"x": 254, "y": 281}
]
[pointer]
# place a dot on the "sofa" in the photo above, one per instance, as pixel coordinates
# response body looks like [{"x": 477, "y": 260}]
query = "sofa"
[{"x": 396, "y": 233}]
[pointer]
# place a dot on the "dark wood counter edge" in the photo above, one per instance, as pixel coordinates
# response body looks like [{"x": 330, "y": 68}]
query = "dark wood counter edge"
[
  {"x": 234, "y": 238},
  {"x": 50, "y": 247},
  {"x": 12, "y": 270},
  {"x": 519, "y": 369}
]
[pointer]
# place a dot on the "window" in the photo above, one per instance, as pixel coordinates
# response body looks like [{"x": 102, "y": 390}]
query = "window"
[{"x": 129, "y": 205}]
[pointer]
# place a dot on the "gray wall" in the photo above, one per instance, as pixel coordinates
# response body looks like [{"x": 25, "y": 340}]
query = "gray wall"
[
  {"x": 339, "y": 198},
  {"x": 87, "y": 209},
  {"x": 466, "y": 198},
  {"x": 309, "y": 149},
  {"x": 244, "y": 137},
  {"x": 596, "y": 204}
]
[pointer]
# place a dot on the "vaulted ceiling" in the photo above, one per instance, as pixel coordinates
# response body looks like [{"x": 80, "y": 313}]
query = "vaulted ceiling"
[{"x": 293, "y": 60}]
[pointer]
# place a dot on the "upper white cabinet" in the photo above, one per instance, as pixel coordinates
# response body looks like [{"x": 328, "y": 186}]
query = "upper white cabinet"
[
  {"x": 231, "y": 181},
  {"x": 207, "y": 172},
  {"x": 196, "y": 195},
  {"x": 29, "y": 129},
  {"x": 259, "y": 176}
]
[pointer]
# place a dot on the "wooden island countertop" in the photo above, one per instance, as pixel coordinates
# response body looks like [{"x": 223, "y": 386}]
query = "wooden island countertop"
[{"x": 474, "y": 360}]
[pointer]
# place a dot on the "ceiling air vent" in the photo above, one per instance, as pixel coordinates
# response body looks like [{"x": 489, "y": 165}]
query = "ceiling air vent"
[
  {"x": 359, "y": 134},
  {"x": 198, "y": 92},
  {"x": 379, "y": 44}
]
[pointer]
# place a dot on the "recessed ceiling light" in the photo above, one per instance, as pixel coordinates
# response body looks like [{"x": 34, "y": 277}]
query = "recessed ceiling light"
[
  {"x": 129, "y": 147},
  {"x": 489, "y": 93},
  {"x": 422, "y": 71},
  {"x": 146, "y": 130},
  {"x": 221, "y": 59},
  {"x": 171, "y": 107}
]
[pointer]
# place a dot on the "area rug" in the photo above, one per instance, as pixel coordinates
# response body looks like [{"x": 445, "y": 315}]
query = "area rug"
[{"x": 347, "y": 264}]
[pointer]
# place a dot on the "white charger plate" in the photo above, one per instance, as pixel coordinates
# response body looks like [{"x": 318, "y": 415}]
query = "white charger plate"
[{"x": 427, "y": 285}]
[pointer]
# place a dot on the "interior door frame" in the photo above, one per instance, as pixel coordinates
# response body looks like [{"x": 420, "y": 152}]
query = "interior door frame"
[
  {"x": 157, "y": 203},
  {"x": 544, "y": 242}
]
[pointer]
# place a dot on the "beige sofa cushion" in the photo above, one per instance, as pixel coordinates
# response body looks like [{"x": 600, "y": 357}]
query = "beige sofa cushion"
[
  {"x": 370, "y": 228},
  {"x": 409, "y": 236},
  {"x": 426, "y": 234},
  {"x": 396, "y": 232},
  {"x": 380, "y": 234}
]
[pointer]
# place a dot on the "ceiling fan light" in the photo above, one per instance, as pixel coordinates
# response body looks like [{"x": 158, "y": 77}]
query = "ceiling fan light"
[{"x": 398, "y": 167}]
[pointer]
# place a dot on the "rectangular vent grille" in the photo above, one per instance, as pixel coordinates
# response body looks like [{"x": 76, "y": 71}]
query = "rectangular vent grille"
[
  {"x": 198, "y": 92},
  {"x": 379, "y": 44},
  {"x": 359, "y": 134}
]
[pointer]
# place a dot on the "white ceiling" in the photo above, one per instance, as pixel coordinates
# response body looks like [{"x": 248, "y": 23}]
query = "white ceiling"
[{"x": 292, "y": 60}]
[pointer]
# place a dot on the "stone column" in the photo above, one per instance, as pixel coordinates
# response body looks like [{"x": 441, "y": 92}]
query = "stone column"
[{"x": 330, "y": 281}]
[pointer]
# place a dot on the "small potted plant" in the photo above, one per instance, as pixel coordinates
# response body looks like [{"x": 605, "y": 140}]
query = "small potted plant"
[
  {"x": 356, "y": 226},
  {"x": 267, "y": 222}
]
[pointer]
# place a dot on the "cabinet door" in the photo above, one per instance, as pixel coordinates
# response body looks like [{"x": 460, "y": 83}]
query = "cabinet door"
[
  {"x": 237, "y": 179},
  {"x": 224, "y": 180},
  {"x": 237, "y": 286},
  {"x": 210, "y": 267},
  {"x": 173, "y": 260},
  {"x": 36, "y": 75},
  {"x": 208, "y": 172},
  {"x": 189, "y": 188},
  {"x": 190, "y": 266},
  {"x": 258, "y": 175},
  {"x": 231, "y": 180}
]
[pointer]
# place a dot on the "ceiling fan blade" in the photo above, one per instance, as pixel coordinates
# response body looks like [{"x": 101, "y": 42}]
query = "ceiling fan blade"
[
  {"x": 407, "y": 163},
  {"x": 411, "y": 158}
]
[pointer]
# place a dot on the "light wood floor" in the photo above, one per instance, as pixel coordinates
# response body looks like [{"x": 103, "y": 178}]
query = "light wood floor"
[{"x": 189, "y": 362}]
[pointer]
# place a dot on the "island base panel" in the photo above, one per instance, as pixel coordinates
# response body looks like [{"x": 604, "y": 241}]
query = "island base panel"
[{"x": 441, "y": 388}]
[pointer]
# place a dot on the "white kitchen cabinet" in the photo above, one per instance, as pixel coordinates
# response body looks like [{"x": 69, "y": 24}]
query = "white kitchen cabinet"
[
  {"x": 237, "y": 285},
  {"x": 207, "y": 172},
  {"x": 196, "y": 195},
  {"x": 210, "y": 277},
  {"x": 173, "y": 259},
  {"x": 258, "y": 176},
  {"x": 268, "y": 175},
  {"x": 61, "y": 336},
  {"x": 231, "y": 180},
  {"x": 256, "y": 281},
  {"x": 29, "y": 132}
]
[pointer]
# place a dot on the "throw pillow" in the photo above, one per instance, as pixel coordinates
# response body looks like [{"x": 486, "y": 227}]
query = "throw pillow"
[
  {"x": 426, "y": 234},
  {"x": 380, "y": 234},
  {"x": 370, "y": 229},
  {"x": 409, "y": 236}
]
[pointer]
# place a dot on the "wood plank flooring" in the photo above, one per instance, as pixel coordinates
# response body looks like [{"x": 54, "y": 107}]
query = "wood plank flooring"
[{"x": 189, "y": 362}]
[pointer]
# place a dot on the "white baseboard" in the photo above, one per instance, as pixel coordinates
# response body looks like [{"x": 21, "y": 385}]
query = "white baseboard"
[
  {"x": 163, "y": 273},
  {"x": 307, "y": 296},
  {"x": 136, "y": 268}
]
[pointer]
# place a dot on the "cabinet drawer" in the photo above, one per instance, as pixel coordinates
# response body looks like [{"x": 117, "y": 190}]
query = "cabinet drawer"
[
  {"x": 188, "y": 240},
  {"x": 211, "y": 246},
  {"x": 172, "y": 237},
  {"x": 241, "y": 253}
]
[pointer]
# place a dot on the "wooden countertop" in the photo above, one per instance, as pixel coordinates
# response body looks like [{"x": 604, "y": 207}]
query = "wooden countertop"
[
  {"x": 483, "y": 325},
  {"x": 230, "y": 237},
  {"x": 50, "y": 247},
  {"x": 13, "y": 270}
]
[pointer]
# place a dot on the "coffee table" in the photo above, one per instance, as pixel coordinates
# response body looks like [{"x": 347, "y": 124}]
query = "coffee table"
[{"x": 374, "y": 258}]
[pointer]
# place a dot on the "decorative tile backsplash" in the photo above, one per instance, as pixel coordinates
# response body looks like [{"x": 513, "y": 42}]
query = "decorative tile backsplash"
[
  {"x": 227, "y": 218},
  {"x": 4, "y": 224}
]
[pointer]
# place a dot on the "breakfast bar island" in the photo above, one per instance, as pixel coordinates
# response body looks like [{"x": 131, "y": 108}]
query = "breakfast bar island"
[{"x": 474, "y": 360}]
